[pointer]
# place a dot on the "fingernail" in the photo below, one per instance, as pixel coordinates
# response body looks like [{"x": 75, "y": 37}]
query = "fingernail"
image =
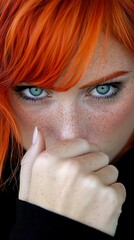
[{"x": 35, "y": 135}]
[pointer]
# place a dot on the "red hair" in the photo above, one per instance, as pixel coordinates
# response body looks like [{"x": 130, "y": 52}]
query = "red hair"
[{"x": 39, "y": 40}]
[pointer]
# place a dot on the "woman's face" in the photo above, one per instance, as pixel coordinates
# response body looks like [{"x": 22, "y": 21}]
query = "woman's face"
[{"x": 102, "y": 114}]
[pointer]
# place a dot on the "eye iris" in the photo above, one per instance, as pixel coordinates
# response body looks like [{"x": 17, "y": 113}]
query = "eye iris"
[
  {"x": 104, "y": 89},
  {"x": 35, "y": 91}
]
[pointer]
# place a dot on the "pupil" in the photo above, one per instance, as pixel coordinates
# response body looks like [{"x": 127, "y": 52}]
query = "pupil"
[
  {"x": 35, "y": 91},
  {"x": 103, "y": 89}
]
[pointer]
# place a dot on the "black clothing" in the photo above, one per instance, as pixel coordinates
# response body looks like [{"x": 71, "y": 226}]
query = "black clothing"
[{"x": 20, "y": 220}]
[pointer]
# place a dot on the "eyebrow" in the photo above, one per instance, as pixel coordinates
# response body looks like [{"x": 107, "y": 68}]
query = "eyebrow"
[{"x": 104, "y": 79}]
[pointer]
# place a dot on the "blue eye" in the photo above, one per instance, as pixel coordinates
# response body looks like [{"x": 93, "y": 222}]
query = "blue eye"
[
  {"x": 105, "y": 90},
  {"x": 31, "y": 93},
  {"x": 36, "y": 92}
]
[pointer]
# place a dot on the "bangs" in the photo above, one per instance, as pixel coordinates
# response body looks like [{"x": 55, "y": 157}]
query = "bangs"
[
  {"x": 46, "y": 40},
  {"x": 49, "y": 38}
]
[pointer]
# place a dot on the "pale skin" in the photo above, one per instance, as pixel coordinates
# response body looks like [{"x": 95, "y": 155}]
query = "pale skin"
[{"x": 66, "y": 169}]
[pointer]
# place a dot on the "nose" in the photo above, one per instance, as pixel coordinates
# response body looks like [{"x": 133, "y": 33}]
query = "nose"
[{"x": 69, "y": 123}]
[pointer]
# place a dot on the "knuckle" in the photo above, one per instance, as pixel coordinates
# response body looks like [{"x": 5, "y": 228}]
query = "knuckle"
[
  {"x": 71, "y": 165},
  {"x": 94, "y": 180},
  {"x": 111, "y": 197},
  {"x": 49, "y": 154},
  {"x": 113, "y": 170},
  {"x": 104, "y": 156},
  {"x": 83, "y": 143},
  {"x": 86, "y": 146},
  {"x": 115, "y": 195},
  {"x": 41, "y": 161},
  {"x": 122, "y": 191}
]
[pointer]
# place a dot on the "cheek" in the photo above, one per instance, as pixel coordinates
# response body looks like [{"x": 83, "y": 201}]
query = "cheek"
[
  {"x": 110, "y": 121},
  {"x": 112, "y": 127},
  {"x": 28, "y": 119}
]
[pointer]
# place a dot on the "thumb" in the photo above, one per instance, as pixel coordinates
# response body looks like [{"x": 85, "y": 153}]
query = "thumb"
[{"x": 38, "y": 145}]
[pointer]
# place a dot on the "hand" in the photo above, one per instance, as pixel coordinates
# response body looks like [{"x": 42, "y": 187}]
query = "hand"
[{"x": 73, "y": 178}]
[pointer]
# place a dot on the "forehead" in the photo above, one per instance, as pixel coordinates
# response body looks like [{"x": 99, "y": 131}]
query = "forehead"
[{"x": 113, "y": 58}]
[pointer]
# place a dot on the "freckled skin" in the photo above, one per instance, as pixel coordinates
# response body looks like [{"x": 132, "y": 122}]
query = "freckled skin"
[{"x": 66, "y": 115}]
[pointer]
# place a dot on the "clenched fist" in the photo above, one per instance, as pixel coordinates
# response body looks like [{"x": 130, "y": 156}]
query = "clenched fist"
[{"x": 72, "y": 178}]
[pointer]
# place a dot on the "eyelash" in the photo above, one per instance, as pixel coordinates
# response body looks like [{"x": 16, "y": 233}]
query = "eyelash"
[
  {"x": 19, "y": 91},
  {"x": 116, "y": 85}
]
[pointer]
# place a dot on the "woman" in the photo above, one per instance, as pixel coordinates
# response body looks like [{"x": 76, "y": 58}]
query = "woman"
[{"x": 67, "y": 118}]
